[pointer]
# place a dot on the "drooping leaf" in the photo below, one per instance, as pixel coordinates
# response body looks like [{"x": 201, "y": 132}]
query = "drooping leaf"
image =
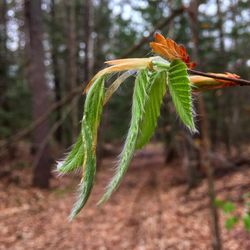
[
  {"x": 139, "y": 98},
  {"x": 74, "y": 159},
  {"x": 152, "y": 108},
  {"x": 180, "y": 91},
  {"x": 90, "y": 123}
]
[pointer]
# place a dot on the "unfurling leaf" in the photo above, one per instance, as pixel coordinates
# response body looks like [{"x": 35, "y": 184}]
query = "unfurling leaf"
[
  {"x": 142, "y": 86},
  {"x": 152, "y": 108},
  {"x": 170, "y": 50},
  {"x": 180, "y": 91},
  {"x": 90, "y": 123}
]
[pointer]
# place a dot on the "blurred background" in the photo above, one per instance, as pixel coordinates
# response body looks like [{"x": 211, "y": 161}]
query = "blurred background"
[{"x": 49, "y": 50}]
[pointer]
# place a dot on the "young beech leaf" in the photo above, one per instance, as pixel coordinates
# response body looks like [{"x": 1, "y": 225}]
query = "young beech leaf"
[
  {"x": 152, "y": 107},
  {"x": 180, "y": 91},
  {"x": 90, "y": 123},
  {"x": 139, "y": 98},
  {"x": 74, "y": 159}
]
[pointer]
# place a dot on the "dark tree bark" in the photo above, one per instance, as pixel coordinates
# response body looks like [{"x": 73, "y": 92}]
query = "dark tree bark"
[
  {"x": 220, "y": 27},
  {"x": 205, "y": 139},
  {"x": 54, "y": 56},
  {"x": 3, "y": 29},
  {"x": 3, "y": 53},
  {"x": 206, "y": 165},
  {"x": 39, "y": 89},
  {"x": 88, "y": 29},
  {"x": 71, "y": 64}
]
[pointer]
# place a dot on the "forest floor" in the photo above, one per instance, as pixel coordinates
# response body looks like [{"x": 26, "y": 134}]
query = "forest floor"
[{"x": 151, "y": 210}]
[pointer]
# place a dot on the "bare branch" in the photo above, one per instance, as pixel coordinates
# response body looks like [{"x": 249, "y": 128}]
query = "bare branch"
[
  {"x": 158, "y": 26},
  {"x": 35, "y": 124}
]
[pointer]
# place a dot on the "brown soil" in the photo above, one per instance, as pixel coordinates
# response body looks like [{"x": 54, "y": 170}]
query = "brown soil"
[{"x": 151, "y": 210}]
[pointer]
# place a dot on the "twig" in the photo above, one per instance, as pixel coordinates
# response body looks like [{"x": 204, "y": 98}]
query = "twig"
[
  {"x": 158, "y": 26},
  {"x": 240, "y": 82},
  {"x": 35, "y": 124}
]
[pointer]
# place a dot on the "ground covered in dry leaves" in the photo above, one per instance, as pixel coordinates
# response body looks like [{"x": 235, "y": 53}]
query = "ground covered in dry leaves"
[{"x": 151, "y": 210}]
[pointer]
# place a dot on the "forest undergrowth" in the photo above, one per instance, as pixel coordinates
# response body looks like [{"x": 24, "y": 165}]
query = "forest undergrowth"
[{"x": 152, "y": 209}]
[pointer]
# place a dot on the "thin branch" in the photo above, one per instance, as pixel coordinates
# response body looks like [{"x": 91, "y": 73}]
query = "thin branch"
[
  {"x": 158, "y": 26},
  {"x": 240, "y": 82},
  {"x": 13, "y": 139}
]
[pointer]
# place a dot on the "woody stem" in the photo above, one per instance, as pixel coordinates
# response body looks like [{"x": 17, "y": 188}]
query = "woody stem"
[{"x": 240, "y": 82}]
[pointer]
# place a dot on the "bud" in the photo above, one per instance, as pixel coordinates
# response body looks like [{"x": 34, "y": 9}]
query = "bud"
[{"x": 201, "y": 83}]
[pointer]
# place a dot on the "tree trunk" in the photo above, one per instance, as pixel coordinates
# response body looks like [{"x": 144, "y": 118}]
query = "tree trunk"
[
  {"x": 206, "y": 165},
  {"x": 72, "y": 65},
  {"x": 205, "y": 139},
  {"x": 39, "y": 89},
  {"x": 3, "y": 54},
  {"x": 89, "y": 45},
  {"x": 220, "y": 27},
  {"x": 55, "y": 66}
]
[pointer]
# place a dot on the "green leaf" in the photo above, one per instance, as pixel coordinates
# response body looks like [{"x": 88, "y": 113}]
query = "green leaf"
[
  {"x": 90, "y": 123},
  {"x": 180, "y": 91},
  {"x": 74, "y": 159},
  {"x": 139, "y": 98},
  {"x": 246, "y": 221},
  {"x": 152, "y": 107},
  {"x": 230, "y": 222},
  {"x": 228, "y": 207},
  {"x": 219, "y": 203}
]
